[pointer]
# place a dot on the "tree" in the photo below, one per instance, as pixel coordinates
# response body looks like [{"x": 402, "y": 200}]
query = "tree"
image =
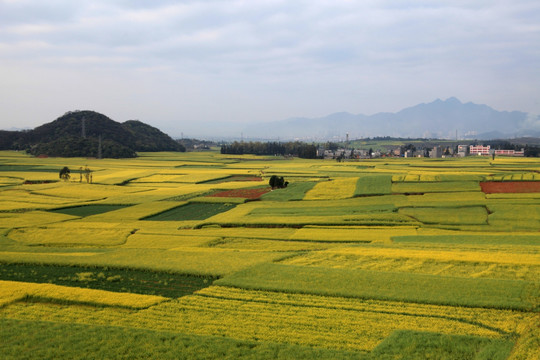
[
  {"x": 277, "y": 182},
  {"x": 64, "y": 173},
  {"x": 532, "y": 151},
  {"x": 273, "y": 182},
  {"x": 88, "y": 174},
  {"x": 331, "y": 146},
  {"x": 307, "y": 151}
]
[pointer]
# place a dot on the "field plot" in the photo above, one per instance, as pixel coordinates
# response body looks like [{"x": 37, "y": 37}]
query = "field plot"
[
  {"x": 191, "y": 211},
  {"x": 88, "y": 209},
  {"x": 340, "y": 188},
  {"x": 110, "y": 279},
  {"x": 374, "y": 185},
  {"x": 191, "y": 255},
  {"x": 475, "y": 215},
  {"x": 295, "y": 192},
  {"x": 251, "y": 193},
  {"x": 364, "y": 284},
  {"x": 491, "y": 187}
]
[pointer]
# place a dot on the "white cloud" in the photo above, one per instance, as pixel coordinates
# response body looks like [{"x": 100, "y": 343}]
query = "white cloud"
[
  {"x": 284, "y": 58},
  {"x": 532, "y": 122}
]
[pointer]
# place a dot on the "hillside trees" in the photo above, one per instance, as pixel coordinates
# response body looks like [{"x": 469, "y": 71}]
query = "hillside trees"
[
  {"x": 148, "y": 138},
  {"x": 78, "y": 134},
  {"x": 296, "y": 148},
  {"x": 255, "y": 148},
  {"x": 71, "y": 146}
]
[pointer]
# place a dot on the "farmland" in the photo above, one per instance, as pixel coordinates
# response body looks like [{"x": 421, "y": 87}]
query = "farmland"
[{"x": 192, "y": 255}]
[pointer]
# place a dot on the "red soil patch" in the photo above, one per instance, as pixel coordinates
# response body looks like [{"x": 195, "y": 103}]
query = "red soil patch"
[
  {"x": 242, "y": 193},
  {"x": 494, "y": 187}
]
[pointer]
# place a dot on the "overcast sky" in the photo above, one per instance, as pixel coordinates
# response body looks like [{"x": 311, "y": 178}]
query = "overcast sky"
[{"x": 175, "y": 63}]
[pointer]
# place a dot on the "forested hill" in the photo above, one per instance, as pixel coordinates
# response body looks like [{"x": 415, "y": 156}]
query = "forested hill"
[{"x": 79, "y": 134}]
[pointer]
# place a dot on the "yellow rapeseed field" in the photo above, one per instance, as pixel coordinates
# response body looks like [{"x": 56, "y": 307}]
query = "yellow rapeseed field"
[
  {"x": 11, "y": 291},
  {"x": 340, "y": 188},
  {"x": 428, "y": 216},
  {"x": 351, "y": 233},
  {"x": 298, "y": 319},
  {"x": 112, "y": 234}
]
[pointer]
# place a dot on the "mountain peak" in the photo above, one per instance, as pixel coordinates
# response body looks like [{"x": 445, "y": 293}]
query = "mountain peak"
[
  {"x": 439, "y": 118},
  {"x": 453, "y": 100}
]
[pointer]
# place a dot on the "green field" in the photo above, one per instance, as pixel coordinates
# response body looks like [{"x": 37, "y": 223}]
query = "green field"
[
  {"x": 192, "y": 211},
  {"x": 396, "y": 286},
  {"x": 111, "y": 279},
  {"x": 88, "y": 210},
  {"x": 371, "y": 259}
]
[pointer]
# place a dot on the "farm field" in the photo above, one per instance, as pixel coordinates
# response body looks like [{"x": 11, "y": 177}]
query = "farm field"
[{"x": 193, "y": 256}]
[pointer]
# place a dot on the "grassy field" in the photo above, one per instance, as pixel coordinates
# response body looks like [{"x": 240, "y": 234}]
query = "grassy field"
[{"x": 191, "y": 256}]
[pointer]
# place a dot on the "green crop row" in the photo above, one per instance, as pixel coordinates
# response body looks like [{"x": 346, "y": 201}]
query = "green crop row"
[
  {"x": 301, "y": 210},
  {"x": 104, "y": 278},
  {"x": 419, "y": 288},
  {"x": 199, "y": 261},
  {"x": 88, "y": 210},
  {"x": 21, "y": 339},
  {"x": 474, "y": 215},
  {"x": 506, "y": 239},
  {"x": 191, "y": 211},
  {"x": 293, "y": 192},
  {"x": 406, "y": 344},
  {"x": 374, "y": 185},
  {"x": 428, "y": 187}
]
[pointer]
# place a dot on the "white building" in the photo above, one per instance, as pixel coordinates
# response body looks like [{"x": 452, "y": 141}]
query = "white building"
[{"x": 479, "y": 150}]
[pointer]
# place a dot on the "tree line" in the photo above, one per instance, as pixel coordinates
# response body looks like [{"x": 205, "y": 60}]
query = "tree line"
[{"x": 296, "y": 148}]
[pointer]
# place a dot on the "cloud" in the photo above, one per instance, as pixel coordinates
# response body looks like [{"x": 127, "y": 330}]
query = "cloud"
[
  {"x": 321, "y": 33},
  {"x": 303, "y": 57},
  {"x": 532, "y": 122}
]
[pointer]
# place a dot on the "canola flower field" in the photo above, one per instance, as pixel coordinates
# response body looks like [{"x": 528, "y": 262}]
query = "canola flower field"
[{"x": 191, "y": 256}]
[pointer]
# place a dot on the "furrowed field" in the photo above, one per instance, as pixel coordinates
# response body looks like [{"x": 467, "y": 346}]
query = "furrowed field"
[{"x": 192, "y": 256}]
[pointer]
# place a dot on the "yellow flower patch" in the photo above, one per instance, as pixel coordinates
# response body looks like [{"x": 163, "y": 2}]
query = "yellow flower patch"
[
  {"x": 340, "y": 188},
  {"x": 11, "y": 291}
]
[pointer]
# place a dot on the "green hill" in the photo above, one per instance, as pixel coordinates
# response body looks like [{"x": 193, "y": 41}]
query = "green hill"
[{"x": 80, "y": 133}]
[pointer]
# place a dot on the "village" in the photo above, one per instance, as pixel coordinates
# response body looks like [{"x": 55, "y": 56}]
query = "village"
[{"x": 410, "y": 151}]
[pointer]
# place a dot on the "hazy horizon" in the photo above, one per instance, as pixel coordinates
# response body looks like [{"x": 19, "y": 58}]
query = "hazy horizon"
[{"x": 174, "y": 65}]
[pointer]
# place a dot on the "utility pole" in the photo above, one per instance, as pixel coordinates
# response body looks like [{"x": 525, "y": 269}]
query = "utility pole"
[
  {"x": 99, "y": 147},
  {"x": 83, "y": 130}
]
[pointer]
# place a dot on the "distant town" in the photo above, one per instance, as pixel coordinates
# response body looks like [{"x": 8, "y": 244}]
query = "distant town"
[
  {"x": 375, "y": 148},
  {"x": 410, "y": 152}
]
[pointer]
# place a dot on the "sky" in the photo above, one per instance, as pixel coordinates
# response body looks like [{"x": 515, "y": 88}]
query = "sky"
[{"x": 185, "y": 66}]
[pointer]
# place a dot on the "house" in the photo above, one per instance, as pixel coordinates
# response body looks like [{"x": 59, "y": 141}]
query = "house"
[
  {"x": 510, "y": 152},
  {"x": 463, "y": 150},
  {"x": 436, "y": 152},
  {"x": 479, "y": 150}
]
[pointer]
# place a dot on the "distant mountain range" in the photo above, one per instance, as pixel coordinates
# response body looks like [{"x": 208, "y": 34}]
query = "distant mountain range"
[
  {"x": 89, "y": 134},
  {"x": 438, "y": 119}
]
